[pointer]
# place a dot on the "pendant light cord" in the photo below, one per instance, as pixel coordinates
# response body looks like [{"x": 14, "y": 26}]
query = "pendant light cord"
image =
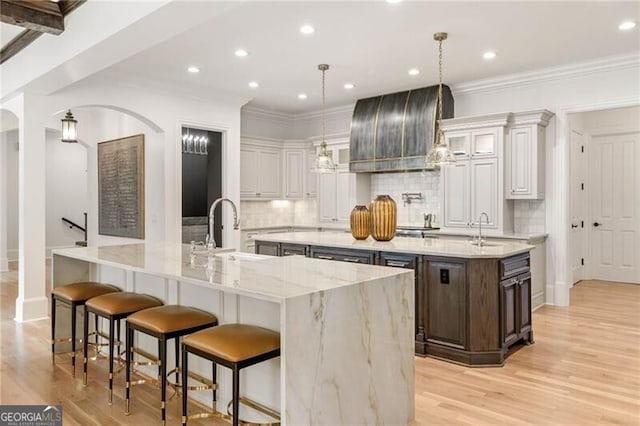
[
  {"x": 323, "y": 108},
  {"x": 440, "y": 88}
]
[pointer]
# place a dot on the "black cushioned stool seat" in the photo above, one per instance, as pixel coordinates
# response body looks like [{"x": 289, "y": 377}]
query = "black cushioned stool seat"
[
  {"x": 235, "y": 346},
  {"x": 74, "y": 295},
  {"x": 164, "y": 323},
  {"x": 114, "y": 307}
]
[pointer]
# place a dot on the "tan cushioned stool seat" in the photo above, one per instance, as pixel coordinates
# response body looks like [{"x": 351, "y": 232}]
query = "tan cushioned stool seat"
[
  {"x": 170, "y": 318},
  {"x": 122, "y": 303},
  {"x": 234, "y": 342},
  {"x": 78, "y": 292}
]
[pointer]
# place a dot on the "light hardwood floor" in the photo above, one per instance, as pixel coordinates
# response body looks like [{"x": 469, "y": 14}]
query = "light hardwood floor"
[{"x": 583, "y": 369}]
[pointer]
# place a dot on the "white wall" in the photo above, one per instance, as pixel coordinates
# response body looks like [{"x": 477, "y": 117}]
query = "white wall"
[
  {"x": 66, "y": 190},
  {"x": 9, "y": 141},
  {"x": 612, "y": 120}
]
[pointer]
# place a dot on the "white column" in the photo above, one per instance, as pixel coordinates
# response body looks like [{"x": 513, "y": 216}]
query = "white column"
[
  {"x": 32, "y": 302},
  {"x": 4, "y": 264}
]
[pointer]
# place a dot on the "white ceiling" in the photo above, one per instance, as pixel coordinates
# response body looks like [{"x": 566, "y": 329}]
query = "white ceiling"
[
  {"x": 8, "y": 32},
  {"x": 373, "y": 44}
]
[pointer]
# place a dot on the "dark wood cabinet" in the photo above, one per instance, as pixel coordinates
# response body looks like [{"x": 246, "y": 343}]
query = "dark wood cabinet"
[
  {"x": 414, "y": 262},
  {"x": 293, "y": 249},
  {"x": 446, "y": 303},
  {"x": 471, "y": 311},
  {"x": 268, "y": 248},
  {"x": 343, "y": 255}
]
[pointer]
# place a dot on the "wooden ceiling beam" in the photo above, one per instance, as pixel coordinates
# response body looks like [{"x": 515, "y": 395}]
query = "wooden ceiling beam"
[{"x": 37, "y": 15}]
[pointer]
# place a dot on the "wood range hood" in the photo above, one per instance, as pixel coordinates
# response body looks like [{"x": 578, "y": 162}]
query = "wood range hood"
[{"x": 394, "y": 132}]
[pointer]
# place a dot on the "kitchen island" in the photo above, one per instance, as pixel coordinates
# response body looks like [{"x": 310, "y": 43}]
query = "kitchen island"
[
  {"x": 472, "y": 305},
  {"x": 346, "y": 329}
]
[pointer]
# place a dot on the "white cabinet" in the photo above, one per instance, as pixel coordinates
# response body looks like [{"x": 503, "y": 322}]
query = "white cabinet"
[
  {"x": 260, "y": 172},
  {"x": 294, "y": 173},
  {"x": 475, "y": 184},
  {"x": 524, "y": 168},
  {"x": 299, "y": 179},
  {"x": 340, "y": 191}
]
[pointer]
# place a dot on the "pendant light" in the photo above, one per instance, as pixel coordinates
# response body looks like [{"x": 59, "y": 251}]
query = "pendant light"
[
  {"x": 323, "y": 163},
  {"x": 440, "y": 154},
  {"x": 69, "y": 133}
]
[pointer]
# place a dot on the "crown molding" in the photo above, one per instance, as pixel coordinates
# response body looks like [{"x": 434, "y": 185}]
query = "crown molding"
[
  {"x": 329, "y": 111},
  {"x": 608, "y": 64},
  {"x": 267, "y": 113}
]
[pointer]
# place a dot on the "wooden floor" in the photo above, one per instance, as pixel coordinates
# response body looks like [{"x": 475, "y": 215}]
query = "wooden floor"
[{"x": 583, "y": 369}]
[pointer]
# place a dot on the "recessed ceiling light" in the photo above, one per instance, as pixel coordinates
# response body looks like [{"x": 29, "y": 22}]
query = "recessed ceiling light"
[
  {"x": 193, "y": 69},
  {"x": 302, "y": 96},
  {"x": 349, "y": 86},
  {"x": 241, "y": 53},
  {"x": 489, "y": 55},
  {"x": 307, "y": 29},
  {"x": 627, "y": 25},
  {"x": 414, "y": 71},
  {"x": 253, "y": 84}
]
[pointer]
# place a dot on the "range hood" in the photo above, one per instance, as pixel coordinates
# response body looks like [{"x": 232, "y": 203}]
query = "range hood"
[{"x": 394, "y": 132}]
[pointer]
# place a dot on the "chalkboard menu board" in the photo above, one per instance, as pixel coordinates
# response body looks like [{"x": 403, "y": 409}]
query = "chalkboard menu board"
[{"x": 121, "y": 187}]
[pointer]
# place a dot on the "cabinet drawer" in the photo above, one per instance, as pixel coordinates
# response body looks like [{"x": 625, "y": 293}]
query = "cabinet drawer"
[
  {"x": 514, "y": 265},
  {"x": 398, "y": 260},
  {"x": 343, "y": 255},
  {"x": 292, "y": 249}
]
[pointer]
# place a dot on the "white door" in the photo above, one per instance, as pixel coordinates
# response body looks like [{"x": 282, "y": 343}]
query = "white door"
[
  {"x": 293, "y": 181},
  {"x": 345, "y": 186},
  {"x": 455, "y": 186},
  {"x": 248, "y": 172},
  {"x": 484, "y": 191},
  {"x": 615, "y": 208},
  {"x": 269, "y": 174},
  {"x": 327, "y": 197},
  {"x": 578, "y": 206}
]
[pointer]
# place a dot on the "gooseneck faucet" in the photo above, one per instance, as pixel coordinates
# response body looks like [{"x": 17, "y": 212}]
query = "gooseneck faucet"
[
  {"x": 211, "y": 241},
  {"x": 486, "y": 216}
]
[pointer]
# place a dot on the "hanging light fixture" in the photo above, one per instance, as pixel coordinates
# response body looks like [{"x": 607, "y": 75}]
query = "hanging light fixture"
[
  {"x": 440, "y": 154},
  {"x": 323, "y": 163},
  {"x": 69, "y": 133}
]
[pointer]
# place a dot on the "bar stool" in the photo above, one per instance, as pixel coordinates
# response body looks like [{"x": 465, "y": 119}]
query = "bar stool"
[
  {"x": 74, "y": 295},
  {"x": 163, "y": 323},
  {"x": 234, "y": 346},
  {"x": 114, "y": 307}
]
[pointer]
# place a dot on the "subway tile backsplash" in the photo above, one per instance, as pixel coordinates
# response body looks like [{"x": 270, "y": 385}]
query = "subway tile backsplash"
[
  {"x": 426, "y": 183},
  {"x": 529, "y": 217},
  {"x": 267, "y": 214}
]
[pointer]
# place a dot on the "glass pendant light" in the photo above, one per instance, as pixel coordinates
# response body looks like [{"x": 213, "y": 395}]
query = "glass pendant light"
[
  {"x": 324, "y": 162},
  {"x": 69, "y": 133},
  {"x": 440, "y": 155}
]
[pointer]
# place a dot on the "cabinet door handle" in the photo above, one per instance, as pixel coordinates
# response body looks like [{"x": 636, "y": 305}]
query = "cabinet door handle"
[
  {"x": 397, "y": 264},
  {"x": 351, "y": 259},
  {"x": 321, "y": 256},
  {"x": 596, "y": 224}
]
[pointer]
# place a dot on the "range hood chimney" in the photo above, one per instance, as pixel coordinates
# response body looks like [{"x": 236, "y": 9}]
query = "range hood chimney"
[{"x": 394, "y": 132}]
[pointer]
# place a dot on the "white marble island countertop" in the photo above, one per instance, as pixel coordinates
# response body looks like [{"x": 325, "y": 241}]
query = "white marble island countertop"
[
  {"x": 425, "y": 246},
  {"x": 264, "y": 277}
]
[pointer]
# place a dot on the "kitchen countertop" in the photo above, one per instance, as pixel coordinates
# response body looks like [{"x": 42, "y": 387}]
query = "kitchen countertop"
[
  {"x": 265, "y": 277},
  {"x": 425, "y": 246},
  {"x": 535, "y": 236}
]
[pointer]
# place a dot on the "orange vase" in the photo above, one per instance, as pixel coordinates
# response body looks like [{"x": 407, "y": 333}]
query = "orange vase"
[
  {"x": 360, "y": 221},
  {"x": 383, "y": 218}
]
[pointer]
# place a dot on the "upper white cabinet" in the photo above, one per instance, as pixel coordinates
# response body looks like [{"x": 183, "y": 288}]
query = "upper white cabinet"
[
  {"x": 260, "y": 171},
  {"x": 525, "y": 152},
  {"x": 311, "y": 181},
  {"x": 294, "y": 173},
  {"x": 340, "y": 191},
  {"x": 475, "y": 184}
]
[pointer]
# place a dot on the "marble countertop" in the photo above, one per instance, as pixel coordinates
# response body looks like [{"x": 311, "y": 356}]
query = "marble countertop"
[
  {"x": 528, "y": 237},
  {"x": 426, "y": 246},
  {"x": 264, "y": 277}
]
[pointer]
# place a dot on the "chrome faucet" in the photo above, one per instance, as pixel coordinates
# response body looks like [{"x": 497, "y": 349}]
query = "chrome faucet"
[
  {"x": 486, "y": 216},
  {"x": 211, "y": 241},
  {"x": 428, "y": 218}
]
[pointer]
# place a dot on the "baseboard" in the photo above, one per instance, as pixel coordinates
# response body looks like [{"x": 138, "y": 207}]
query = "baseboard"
[
  {"x": 4, "y": 264},
  {"x": 34, "y": 309},
  {"x": 12, "y": 254},
  {"x": 537, "y": 300}
]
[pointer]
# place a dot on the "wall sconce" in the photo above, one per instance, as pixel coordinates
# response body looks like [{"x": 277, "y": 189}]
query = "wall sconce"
[{"x": 69, "y": 133}]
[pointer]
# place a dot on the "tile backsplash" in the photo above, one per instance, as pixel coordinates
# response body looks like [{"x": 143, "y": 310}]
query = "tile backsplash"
[
  {"x": 426, "y": 183},
  {"x": 265, "y": 214},
  {"x": 528, "y": 216}
]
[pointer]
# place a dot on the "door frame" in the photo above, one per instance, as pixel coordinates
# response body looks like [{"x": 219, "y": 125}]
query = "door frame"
[
  {"x": 558, "y": 214},
  {"x": 586, "y": 215}
]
